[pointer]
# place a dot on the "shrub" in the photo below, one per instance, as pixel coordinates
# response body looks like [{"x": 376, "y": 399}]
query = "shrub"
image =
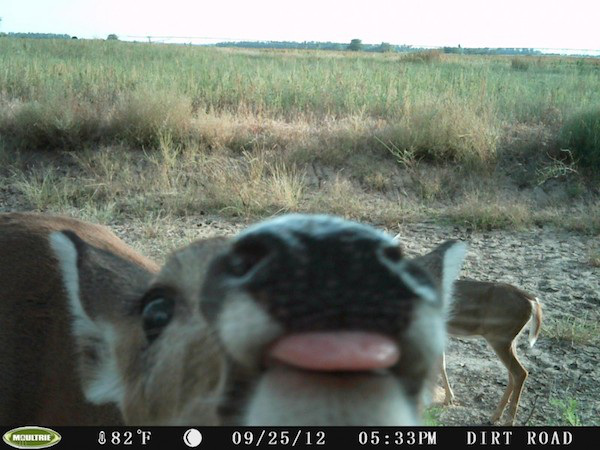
[
  {"x": 424, "y": 56},
  {"x": 137, "y": 119},
  {"x": 46, "y": 126},
  {"x": 443, "y": 130},
  {"x": 519, "y": 64},
  {"x": 581, "y": 135},
  {"x": 140, "y": 119}
]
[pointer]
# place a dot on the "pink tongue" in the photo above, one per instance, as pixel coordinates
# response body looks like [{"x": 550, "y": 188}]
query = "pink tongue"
[{"x": 333, "y": 351}]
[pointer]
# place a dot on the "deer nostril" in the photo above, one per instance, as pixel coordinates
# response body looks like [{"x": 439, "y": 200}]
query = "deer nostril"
[
  {"x": 245, "y": 256},
  {"x": 393, "y": 253}
]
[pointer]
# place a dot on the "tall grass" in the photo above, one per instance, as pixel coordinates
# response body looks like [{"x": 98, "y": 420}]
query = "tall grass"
[{"x": 70, "y": 94}]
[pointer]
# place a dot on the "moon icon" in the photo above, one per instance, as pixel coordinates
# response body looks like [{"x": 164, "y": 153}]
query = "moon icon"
[{"x": 192, "y": 437}]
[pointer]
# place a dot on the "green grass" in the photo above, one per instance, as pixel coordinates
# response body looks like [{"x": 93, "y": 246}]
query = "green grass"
[
  {"x": 69, "y": 94},
  {"x": 285, "y": 84},
  {"x": 568, "y": 411},
  {"x": 431, "y": 416}
]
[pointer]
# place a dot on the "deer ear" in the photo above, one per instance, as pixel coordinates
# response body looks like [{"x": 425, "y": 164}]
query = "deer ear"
[
  {"x": 444, "y": 264},
  {"x": 98, "y": 285}
]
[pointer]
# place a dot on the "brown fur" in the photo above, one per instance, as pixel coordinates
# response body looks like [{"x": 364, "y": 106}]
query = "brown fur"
[{"x": 38, "y": 375}]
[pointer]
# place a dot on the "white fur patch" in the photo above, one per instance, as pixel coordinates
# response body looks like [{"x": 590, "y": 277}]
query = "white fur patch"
[
  {"x": 66, "y": 254},
  {"x": 105, "y": 385},
  {"x": 244, "y": 328},
  {"x": 452, "y": 263},
  {"x": 285, "y": 397},
  {"x": 533, "y": 322},
  {"x": 428, "y": 329}
]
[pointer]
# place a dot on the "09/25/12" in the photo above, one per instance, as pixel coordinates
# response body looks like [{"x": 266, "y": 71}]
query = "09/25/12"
[{"x": 278, "y": 437}]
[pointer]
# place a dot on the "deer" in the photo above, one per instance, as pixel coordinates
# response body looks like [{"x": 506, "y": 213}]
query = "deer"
[
  {"x": 498, "y": 312},
  {"x": 296, "y": 320}
]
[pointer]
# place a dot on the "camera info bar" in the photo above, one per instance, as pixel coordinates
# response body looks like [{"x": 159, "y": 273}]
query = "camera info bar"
[{"x": 218, "y": 438}]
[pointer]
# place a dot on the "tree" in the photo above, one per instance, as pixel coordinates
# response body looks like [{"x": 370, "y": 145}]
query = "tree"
[
  {"x": 112, "y": 37},
  {"x": 355, "y": 45},
  {"x": 386, "y": 47}
]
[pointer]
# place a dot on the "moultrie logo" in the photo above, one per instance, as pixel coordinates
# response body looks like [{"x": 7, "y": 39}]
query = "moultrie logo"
[{"x": 31, "y": 437}]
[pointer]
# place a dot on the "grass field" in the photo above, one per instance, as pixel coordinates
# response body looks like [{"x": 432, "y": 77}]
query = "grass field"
[{"x": 129, "y": 128}]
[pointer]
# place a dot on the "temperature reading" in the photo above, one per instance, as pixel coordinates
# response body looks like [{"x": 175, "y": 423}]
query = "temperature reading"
[{"x": 124, "y": 438}]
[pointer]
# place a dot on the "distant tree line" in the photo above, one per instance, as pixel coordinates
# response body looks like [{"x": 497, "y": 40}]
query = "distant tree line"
[
  {"x": 36, "y": 35},
  {"x": 355, "y": 45},
  {"x": 358, "y": 45},
  {"x": 492, "y": 51},
  {"x": 111, "y": 37}
]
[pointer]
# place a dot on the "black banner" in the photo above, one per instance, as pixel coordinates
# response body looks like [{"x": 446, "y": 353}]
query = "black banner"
[{"x": 221, "y": 438}]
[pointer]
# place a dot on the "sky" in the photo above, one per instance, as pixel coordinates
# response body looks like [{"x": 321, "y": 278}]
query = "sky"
[{"x": 550, "y": 24}]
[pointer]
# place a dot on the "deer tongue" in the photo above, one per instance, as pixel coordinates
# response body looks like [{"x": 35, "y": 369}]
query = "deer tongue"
[{"x": 336, "y": 351}]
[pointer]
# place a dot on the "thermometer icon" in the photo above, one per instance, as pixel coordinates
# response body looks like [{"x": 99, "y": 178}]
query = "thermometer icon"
[{"x": 102, "y": 438}]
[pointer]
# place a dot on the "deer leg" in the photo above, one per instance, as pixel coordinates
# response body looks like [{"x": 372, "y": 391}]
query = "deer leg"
[
  {"x": 516, "y": 379},
  {"x": 503, "y": 401},
  {"x": 519, "y": 375},
  {"x": 449, "y": 397}
]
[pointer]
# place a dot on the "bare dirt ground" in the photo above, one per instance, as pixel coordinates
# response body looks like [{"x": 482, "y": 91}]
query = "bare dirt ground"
[{"x": 552, "y": 264}]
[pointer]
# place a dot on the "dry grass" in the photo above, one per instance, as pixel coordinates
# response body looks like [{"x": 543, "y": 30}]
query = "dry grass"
[
  {"x": 178, "y": 181},
  {"x": 488, "y": 211},
  {"x": 424, "y": 56},
  {"x": 594, "y": 256},
  {"x": 174, "y": 181},
  {"x": 445, "y": 129},
  {"x": 575, "y": 330}
]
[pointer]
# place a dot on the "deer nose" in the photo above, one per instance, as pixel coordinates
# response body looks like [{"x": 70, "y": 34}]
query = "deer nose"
[
  {"x": 321, "y": 273},
  {"x": 249, "y": 253},
  {"x": 256, "y": 248}
]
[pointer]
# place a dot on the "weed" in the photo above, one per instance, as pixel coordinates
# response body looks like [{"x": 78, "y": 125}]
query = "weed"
[
  {"x": 431, "y": 416},
  {"x": 568, "y": 410}
]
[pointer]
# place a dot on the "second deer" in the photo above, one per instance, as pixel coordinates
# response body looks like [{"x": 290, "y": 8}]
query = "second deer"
[{"x": 498, "y": 312}]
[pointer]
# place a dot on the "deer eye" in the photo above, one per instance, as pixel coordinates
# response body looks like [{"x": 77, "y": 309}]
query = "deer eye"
[{"x": 156, "y": 315}]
